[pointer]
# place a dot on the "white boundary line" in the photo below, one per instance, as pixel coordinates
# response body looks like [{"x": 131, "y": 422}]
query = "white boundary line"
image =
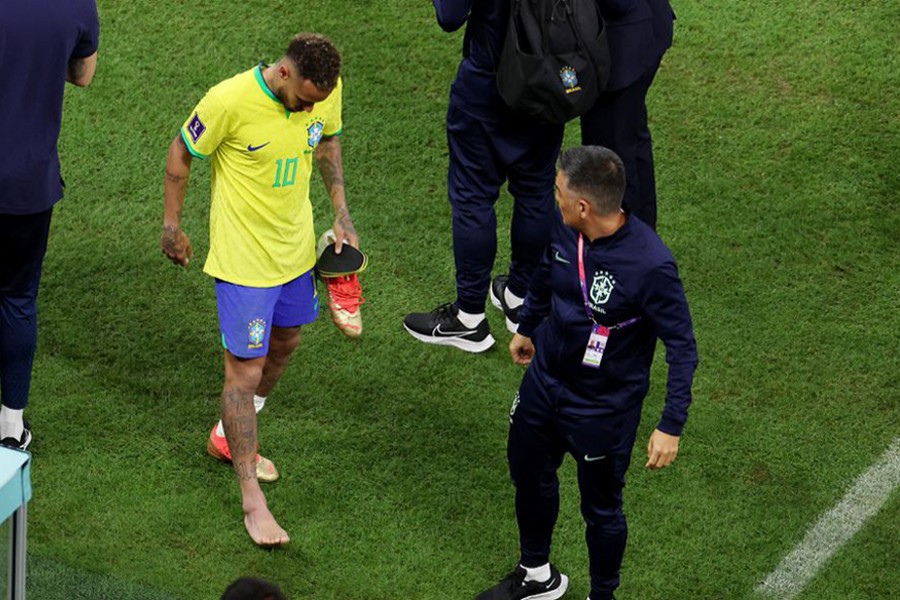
[{"x": 836, "y": 527}]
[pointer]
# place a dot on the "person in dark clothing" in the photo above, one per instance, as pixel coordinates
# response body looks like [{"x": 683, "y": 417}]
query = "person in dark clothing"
[
  {"x": 606, "y": 289},
  {"x": 249, "y": 588},
  {"x": 639, "y": 32},
  {"x": 43, "y": 45},
  {"x": 488, "y": 144}
]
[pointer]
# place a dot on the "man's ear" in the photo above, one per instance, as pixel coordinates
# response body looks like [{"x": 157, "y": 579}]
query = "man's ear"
[{"x": 585, "y": 207}]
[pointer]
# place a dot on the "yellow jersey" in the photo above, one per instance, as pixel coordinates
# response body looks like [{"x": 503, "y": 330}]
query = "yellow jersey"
[{"x": 260, "y": 222}]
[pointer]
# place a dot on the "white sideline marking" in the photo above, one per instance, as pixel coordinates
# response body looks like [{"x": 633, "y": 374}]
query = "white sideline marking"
[{"x": 836, "y": 527}]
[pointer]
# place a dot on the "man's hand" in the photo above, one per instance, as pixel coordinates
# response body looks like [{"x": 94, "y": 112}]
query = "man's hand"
[
  {"x": 344, "y": 231},
  {"x": 522, "y": 349},
  {"x": 661, "y": 450},
  {"x": 176, "y": 245},
  {"x": 80, "y": 71}
]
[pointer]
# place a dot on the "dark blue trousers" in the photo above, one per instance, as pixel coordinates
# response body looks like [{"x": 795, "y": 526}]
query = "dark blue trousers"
[
  {"x": 619, "y": 121},
  {"x": 541, "y": 432},
  {"x": 483, "y": 155},
  {"x": 23, "y": 243}
]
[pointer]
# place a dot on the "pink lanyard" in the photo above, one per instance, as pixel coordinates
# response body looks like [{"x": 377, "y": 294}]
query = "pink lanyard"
[{"x": 582, "y": 281}]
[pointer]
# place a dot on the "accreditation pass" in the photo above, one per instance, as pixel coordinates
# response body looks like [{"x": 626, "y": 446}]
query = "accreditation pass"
[{"x": 596, "y": 345}]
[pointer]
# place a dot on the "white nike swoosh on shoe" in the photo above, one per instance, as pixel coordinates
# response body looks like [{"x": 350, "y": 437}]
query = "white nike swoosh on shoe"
[
  {"x": 593, "y": 458},
  {"x": 558, "y": 258},
  {"x": 439, "y": 333}
]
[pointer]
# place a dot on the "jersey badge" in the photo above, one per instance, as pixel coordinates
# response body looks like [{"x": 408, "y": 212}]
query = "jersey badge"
[
  {"x": 315, "y": 133},
  {"x": 196, "y": 128},
  {"x": 602, "y": 287},
  {"x": 256, "y": 333}
]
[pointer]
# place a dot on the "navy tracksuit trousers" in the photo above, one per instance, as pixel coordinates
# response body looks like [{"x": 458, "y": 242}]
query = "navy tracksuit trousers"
[
  {"x": 485, "y": 153},
  {"x": 23, "y": 243},
  {"x": 541, "y": 432},
  {"x": 619, "y": 121}
]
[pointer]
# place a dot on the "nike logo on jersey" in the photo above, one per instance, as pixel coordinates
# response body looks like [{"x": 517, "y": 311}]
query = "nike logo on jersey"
[
  {"x": 252, "y": 148},
  {"x": 558, "y": 258},
  {"x": 593, "y": 458}
]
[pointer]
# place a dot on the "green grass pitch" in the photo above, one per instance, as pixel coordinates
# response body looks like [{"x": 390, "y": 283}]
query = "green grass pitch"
[{"x": 777, "y": 135}]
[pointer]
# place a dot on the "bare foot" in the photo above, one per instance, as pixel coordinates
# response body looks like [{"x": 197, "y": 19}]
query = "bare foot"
[{"x": 263, "y": 529}]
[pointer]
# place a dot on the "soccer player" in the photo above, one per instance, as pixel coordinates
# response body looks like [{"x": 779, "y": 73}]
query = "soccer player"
[
  {"x": 261, "y": 130},
  {"x": 606, "y": 289},
  {"x": 43, "y": 45}
]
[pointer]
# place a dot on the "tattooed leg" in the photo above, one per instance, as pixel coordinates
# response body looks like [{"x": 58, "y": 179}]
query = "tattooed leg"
[{"x": 239, "y": 419}]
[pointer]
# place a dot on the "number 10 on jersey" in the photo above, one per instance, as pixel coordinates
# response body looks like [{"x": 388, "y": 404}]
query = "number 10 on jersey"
[{"x": 286, "y": 172}]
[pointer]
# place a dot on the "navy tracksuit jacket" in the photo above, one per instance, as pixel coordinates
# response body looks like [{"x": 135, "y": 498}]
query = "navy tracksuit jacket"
[{"x": 646, "y": 286}]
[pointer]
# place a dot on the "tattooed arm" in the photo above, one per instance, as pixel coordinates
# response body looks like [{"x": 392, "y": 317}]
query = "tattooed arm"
[
  {"x": 175, "y": 244},
  {"x": 80, "y": 71},
  {"x": 328, "y": 159}
]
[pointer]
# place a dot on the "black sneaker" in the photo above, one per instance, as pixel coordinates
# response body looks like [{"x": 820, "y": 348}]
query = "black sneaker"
[
  {"x": 22, "y": 442},
  {"x": 514, "y": 587},
  {"x": 442, "y": 326},
  {"x": 498, "y": 299}
]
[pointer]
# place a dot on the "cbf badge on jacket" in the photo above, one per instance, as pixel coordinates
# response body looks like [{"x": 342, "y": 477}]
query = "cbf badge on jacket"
[{"x": 593, "y": 354}]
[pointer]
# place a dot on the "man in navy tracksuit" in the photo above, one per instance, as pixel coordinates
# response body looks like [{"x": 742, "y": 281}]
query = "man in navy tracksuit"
[
  {"x": 488, "y": 145},
  {"x": 606, "y": 289},
  {"x": 43, "y": 45},
  {"x": 639, "y": 33}
]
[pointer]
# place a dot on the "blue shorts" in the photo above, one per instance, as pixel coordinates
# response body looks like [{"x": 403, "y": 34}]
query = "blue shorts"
[{"x": 247, "y": 314}]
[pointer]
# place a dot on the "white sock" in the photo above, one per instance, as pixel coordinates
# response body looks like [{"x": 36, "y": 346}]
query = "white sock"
[
  {"x": 511, "y": 299},
  {"x": 468, "y": 319},
  {"x": 11, "y": 424},
  {"x": 258, "y": 403},
  {"x": 541, "y": 573}
]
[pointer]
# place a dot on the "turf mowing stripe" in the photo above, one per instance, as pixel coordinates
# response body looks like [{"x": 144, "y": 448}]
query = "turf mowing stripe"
[{"x": 836, "y": 527}]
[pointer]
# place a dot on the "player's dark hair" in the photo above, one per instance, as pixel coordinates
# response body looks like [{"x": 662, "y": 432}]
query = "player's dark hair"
[
  {"x": 597, "y": 173},
  {"x": 248, "y": 588},
  {"x": 316, "y": 59}
]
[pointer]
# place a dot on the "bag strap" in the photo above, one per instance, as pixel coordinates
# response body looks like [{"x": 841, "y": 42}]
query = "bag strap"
[
  {"x": 570, "y": 16},
  {"x": 545, "y": 39}
]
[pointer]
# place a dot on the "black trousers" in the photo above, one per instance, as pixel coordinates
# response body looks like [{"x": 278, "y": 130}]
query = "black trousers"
[
  {"x": 541, "y": 433},
  {"x": 483, "y": 155},
  {"x": 619, "y": 121},
  {"x": 23, "y": 243}
]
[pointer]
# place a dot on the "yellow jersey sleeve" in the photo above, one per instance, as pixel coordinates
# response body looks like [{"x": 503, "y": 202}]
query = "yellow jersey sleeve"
[
  {"x": 207, "y": 127},
  {"x": 333, "y": 120}
]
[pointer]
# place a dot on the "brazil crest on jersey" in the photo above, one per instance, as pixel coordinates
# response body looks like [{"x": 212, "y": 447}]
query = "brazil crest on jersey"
[{"x": 260, "y": 222}]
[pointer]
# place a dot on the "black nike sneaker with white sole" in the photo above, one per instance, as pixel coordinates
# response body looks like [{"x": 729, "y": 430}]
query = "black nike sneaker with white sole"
[
  {"x": 443, "y": 327},
  {"x": 22, "y": 442},
  {"x": 498, "y": 299},
  {"x": 514, "y": 587}
]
